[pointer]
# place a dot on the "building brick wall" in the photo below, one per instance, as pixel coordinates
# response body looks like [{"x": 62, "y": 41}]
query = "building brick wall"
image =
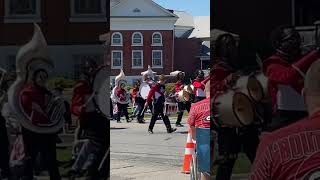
[{"x": 167, "y": 52}]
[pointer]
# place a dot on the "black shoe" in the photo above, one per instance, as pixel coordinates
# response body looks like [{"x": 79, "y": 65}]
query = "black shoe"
[
  {"x": 171, "y": 130},
  {"x": 150, "y": 131},
  {"x": 118, "y": 121},
  {"x": 128, "y": 120},
  {"x": 179, "y": 125}
]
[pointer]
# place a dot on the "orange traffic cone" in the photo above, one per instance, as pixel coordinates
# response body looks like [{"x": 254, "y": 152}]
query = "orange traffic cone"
[{"x": 189, "y": 150}]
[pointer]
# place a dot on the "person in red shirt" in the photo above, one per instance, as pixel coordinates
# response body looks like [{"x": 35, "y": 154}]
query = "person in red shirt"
[
  {"x": 285, "y": 72},
  {"x": 230, "y": 140},
  {"x": 135, "y": 98},
  {"x": 122, "y": 95},
  {"x": 199, "y": 86},
  {"x": 199, "y": 117},
  {"x": 181, "y": 105},
  {"x": 34, "y": 99},
  {"x": 293, "y": 152},
  {"x": 157, "y": 94}
]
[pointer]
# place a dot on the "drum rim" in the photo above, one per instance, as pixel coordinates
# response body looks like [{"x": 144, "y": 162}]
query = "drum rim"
[
  {"x": 233, "y": 109},
  {"x": 143, "y": 84},
  {"x": 260, "y": 86}
]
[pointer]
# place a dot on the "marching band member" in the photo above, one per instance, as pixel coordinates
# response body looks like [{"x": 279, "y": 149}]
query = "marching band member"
[
  {"x": 121, "y": 96},
  {"x": 157, "y": 94},
  {"x": 147, "y": 77},
  {"x": 136, "y": 99},
  {"x": 285, "y": 71},
  {"x": 230, "y": 140},
  {"x": 92, "y": 122},
  {"x": 199, "y": 86},
  {"x": 181, "y": 105},
  {"x": 290, "y": 152}
]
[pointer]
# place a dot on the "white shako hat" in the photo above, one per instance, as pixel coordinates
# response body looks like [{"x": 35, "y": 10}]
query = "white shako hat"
[
  {"x": 175, "y": 73},
  {"x": 149, "y": 73}
]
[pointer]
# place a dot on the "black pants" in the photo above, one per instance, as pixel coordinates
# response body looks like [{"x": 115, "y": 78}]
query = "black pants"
[
  {"x": 122, "y": 108},
  {"x": 284, "y": 118},
  {"x": 4, "y": 149},
  {"x": 231, "y": 141},
  {"x": 158, "y": 110},
  {"x": 142, "y": 102},
  {"x": 197, "y": 99},
  {"x": 181, "y": 107},
  {"x": 44, "y": 144}
]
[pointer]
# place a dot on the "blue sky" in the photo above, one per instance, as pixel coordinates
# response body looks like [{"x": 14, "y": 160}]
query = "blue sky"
[{"x": 195, "y": 7}]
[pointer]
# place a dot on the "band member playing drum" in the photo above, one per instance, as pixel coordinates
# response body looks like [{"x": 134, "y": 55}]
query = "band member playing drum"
[
  {"x": 181, "y": 105},
  {"x": 148, "y": 80},
  {"x": 285, "y": 71},
  {"x": 93, "y": 123},
  {"x": 289, "y": 152},
  {"x": 231, "y": 140},
  {"x": 134, "y": 98},
  {"x": 34, "y": 99},
  {"x": 199, "y": 86},
  {"x": 157, "y": 94}
]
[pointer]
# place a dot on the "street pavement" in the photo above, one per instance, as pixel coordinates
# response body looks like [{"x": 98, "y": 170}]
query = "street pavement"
[{"x": 136, "y": 154}]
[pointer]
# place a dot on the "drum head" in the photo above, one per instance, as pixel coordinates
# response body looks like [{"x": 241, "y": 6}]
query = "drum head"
[
  {"x": 183, "y": 96},
  {"x": 242, "y": 108},
  {"x": 144, "y": 90},
  {"x": 255, "y": 89},
  {"x": 102, "y": 88}
]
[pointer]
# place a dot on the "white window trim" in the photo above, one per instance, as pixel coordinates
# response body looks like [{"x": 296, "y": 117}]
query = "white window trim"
[
  {"x": 157, "y": 44},
  {"x": 153, "y": 66},
  {"x": 121, "y": 43},
  {"x": 137, "y": 44},
  {"x": 21, "y": 18},
  {"x": 137, "y": 67},
  {"x": 116, "y": 67},
  {"x": 99, "y": 17}
]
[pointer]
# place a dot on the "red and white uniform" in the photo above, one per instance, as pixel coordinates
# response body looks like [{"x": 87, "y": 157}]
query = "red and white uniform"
[
  {"x": 81, "y": 94},
  {"x": 285, "y": 82},
  {"x": 199, "y": 87},
  {"x": 156, "y": 92},
  {"x": 178, "y": 86},
  {"x": 121, "y": 94},
  {"x": 30, "y": 95},
  {"x": 290, "y": 153},
  {"x": 199, "y": 115}
]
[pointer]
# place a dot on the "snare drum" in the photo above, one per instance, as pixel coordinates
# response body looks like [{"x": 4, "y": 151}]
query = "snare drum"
[
  {"x": 255, "y": 86},
  {"x": 144, "y": 90},
  {"x": 234, "y": 109}
]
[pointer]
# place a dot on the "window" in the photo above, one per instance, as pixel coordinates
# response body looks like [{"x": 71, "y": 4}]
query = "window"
[
  {"x": 137, "y": 39},
  {"x": 79, "y": 63},
  {"x": 88, "y": 11},
  {"x": 157, "y": 58},
  {"x": 137, "y": 59},
  {"x": 116, "y": 57},
  {"x": 116, "y": 39},
  {"x": 156, "y": 39},
  {"x": 22, "y": 11}
]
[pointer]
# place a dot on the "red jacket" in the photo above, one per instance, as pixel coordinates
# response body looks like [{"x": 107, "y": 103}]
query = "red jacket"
[
  {"x": 279, "y": 71},
  {"x": 134, "y": 93},
  {"x": 178, "y": 86},
  {"x": 156, "y": 89},
  {"x": 289, "y": 153},
  {"x": 121, "y": 93},
  {"x": 80, "y": 91},
  {"x": 31, "y": 94}
]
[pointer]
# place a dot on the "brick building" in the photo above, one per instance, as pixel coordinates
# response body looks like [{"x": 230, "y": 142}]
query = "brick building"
[
  {"x": 71, "y": 27},
  {"x": 142, "y": 34}
]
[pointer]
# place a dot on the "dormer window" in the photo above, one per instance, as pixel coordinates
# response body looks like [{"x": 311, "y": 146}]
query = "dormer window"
[
  {"x": 116, "y": 39},
  {"x": 156, "y": 39},
  {"x": 137, "y": 39}
]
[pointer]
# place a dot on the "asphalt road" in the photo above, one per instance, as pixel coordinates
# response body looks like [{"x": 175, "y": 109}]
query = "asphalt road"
[{"x": 136, "y": 154}]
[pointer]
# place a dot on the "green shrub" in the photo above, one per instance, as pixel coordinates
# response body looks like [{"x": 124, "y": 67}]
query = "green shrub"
[
  {"x": 61, "y": 82},
  {"x": 170, "y": 87}
]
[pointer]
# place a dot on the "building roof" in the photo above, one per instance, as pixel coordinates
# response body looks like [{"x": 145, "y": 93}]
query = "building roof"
[
  {"x": 205, "y": 49},
  {"x": 185, "y": 19},
  {"x": 201, "y": 28}
]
